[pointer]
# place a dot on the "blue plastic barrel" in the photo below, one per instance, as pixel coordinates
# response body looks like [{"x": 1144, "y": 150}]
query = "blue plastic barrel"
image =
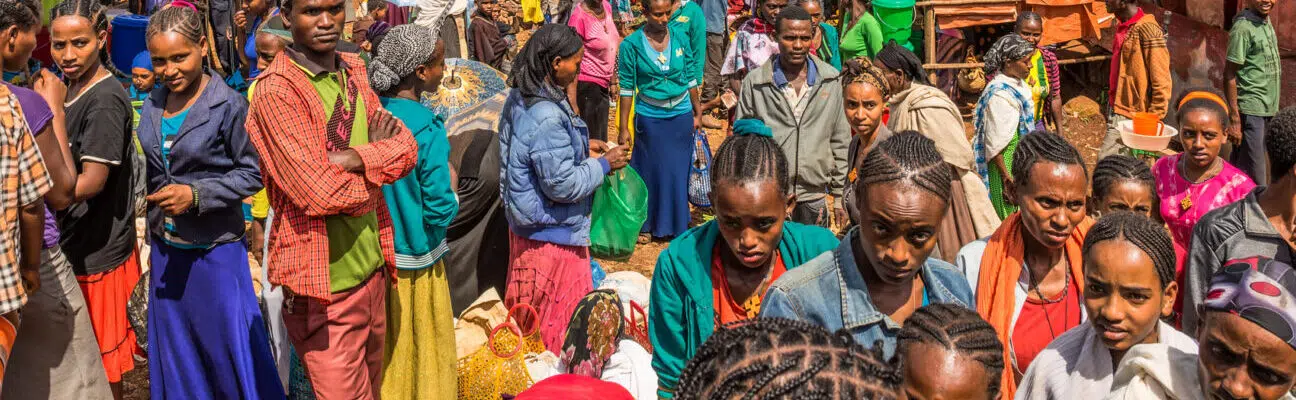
[{"x": 127, "y": 39}]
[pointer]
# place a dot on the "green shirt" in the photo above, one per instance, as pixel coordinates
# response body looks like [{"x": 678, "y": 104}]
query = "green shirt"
[
  {"x": 1254, "y": 46},
  {"x": 354, "y": 248},
  {"x": 864, "y": 39}
]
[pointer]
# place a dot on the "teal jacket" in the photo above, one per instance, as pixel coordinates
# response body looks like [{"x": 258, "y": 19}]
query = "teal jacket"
[
  {"x": 422, "y": 204},
  {"x": 681, "y": 314},
  {"x": 830, "y": 47},
  {"x": 690, "y": 22}
]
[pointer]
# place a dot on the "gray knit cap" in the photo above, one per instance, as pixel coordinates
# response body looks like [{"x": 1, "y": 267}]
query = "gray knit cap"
[{"x": 403, "y": 49}]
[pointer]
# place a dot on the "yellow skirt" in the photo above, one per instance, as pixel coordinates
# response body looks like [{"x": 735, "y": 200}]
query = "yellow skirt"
[{"x": 420, "y": 353}]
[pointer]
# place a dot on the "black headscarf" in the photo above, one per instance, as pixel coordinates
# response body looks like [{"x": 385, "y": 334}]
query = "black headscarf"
[
  {"x": 895, "y": 56},
  {"x": 534, "y": 63},
  {"x": 1008, "y": 48}
]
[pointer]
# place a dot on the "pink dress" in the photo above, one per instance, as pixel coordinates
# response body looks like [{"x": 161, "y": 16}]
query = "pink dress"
[{"x": 1230, "y": 185}]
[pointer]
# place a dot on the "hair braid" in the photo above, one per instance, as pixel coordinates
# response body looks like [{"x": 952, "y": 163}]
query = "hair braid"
[
  {"x": 750, "y": 158},
  {"x": 960, "y": 329},
  {"x": 92, "y": 11},
  {"x": 21, "y": 13},
  {"x": 183, "y": 20},
  {"x": 1112, "y": 170},
  {"x": 907, "y": 157},
  {"x": 1028, "y": 16},
  {"x": 1043, "y": 146},
  {"x": 772, "y": 358},
  {"x": 1143, "y": 233}
]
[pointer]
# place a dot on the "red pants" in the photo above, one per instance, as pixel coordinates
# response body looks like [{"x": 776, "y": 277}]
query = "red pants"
[{"x": 341, "y": 343}]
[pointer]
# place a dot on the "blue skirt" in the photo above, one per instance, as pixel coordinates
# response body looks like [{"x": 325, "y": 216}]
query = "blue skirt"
[
  {"x": 207, "y": 339},
  {"x": 663, "y": 151}
]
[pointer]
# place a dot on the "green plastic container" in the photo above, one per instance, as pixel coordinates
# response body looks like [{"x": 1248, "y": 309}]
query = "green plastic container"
[{"x": 897, "y": 19}]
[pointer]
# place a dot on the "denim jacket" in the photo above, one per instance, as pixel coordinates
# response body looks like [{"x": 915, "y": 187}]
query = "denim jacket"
[
  {"x": 829, "y": 291},
  {"x": 211, "y": 153},
  {"x": 547, "y": 179}
]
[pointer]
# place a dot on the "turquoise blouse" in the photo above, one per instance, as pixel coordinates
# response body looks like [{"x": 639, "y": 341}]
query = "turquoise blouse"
[{"x": 661, "y": 80}]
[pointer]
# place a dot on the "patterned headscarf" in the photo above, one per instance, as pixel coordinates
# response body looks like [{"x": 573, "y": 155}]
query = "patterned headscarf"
[
  {"x": 405, "y": 48},
  {"x": 534, "y": 64},
  {"x": 1008, "y": 48},
  {"x": 862, "y": 70},
  {"x": 1259, "y": 290}
]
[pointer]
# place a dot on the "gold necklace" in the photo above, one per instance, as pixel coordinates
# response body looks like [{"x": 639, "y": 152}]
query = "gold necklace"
[{"x": 1187, "y": 202}]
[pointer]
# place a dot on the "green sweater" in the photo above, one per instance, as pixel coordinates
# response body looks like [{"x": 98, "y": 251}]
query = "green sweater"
[
  {"x": 863, "y": 39},
  {"x": 682, "y": 314},
  {"x": 422, "y": 204}
]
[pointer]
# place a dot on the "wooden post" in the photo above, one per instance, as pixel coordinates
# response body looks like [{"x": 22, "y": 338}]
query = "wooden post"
[{"x": 929, "y": 33}]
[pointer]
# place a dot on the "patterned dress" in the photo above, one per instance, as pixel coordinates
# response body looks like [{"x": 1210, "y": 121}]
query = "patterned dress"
[{"x": 1004, "y": 114}]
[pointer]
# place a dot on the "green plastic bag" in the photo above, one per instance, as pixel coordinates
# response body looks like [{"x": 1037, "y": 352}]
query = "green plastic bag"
[{"x": 620, "y": 209}]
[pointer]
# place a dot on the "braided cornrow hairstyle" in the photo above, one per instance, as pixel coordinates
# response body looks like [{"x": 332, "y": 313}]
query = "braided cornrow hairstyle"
[
  {"x": 1114, "y": 169},
  {"x": 1043, "y": 146},
  {"x": 182, "y": 20},
  {"x": 910, "y": 158},
  {"x": 92, "y": 11},
  {"x": 959, "y": 329},
  {"x": 774, "y": 358},
  {"x": 750, "y": 158},
  {"x": 21, "y": 13},
  {"x": 1143, "y": 233}
]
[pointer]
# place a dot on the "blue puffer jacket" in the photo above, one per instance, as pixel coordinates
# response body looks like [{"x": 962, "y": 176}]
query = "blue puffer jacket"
[{"x": 548, "y": 179}]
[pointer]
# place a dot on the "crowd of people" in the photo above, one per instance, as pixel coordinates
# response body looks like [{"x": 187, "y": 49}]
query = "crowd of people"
[{"x": 303, "y": 233}]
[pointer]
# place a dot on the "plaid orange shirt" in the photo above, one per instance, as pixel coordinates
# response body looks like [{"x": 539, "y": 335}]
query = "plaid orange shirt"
[
  {"x": 286, "y": 122},
  {"x": 25, "y": 180}
]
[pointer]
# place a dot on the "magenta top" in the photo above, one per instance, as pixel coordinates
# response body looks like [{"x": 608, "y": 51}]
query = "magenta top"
[
  {"x": 601, "y": 42},
  {"x": 1231, "y": 184}
]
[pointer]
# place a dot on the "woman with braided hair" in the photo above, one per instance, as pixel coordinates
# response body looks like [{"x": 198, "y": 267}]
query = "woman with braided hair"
[
  {"x": 1003, "y": 115},
  {"x": 207, "y": 337},
  {"x": 1123, "y": 183},
  {"x": 717, "y": 273},
  {"x": 420, "y": 355},
  {"x": 1027, "y": 276},
  {"x": 776, "y": 358},
  {"x": 917, "y": 106},
  {"x": 1129, "y": 290},
  {"x": 882, "y": 270},
  {"x": 1197, "y": 181},
  {"x": 865, "y": 95},
  {"x": 949, "y": 352},
  {"x": 98, "y": 230}
]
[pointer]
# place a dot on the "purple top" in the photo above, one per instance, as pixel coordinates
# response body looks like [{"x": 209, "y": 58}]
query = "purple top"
[{"x": 38, "y": 114}]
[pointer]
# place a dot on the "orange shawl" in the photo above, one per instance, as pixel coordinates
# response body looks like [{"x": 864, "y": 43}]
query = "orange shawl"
[{"x": 1001, "y": 266}]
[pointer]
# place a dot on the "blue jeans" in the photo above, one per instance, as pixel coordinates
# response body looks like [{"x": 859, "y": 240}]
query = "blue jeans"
[{"x": 1250, "y": 156}]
